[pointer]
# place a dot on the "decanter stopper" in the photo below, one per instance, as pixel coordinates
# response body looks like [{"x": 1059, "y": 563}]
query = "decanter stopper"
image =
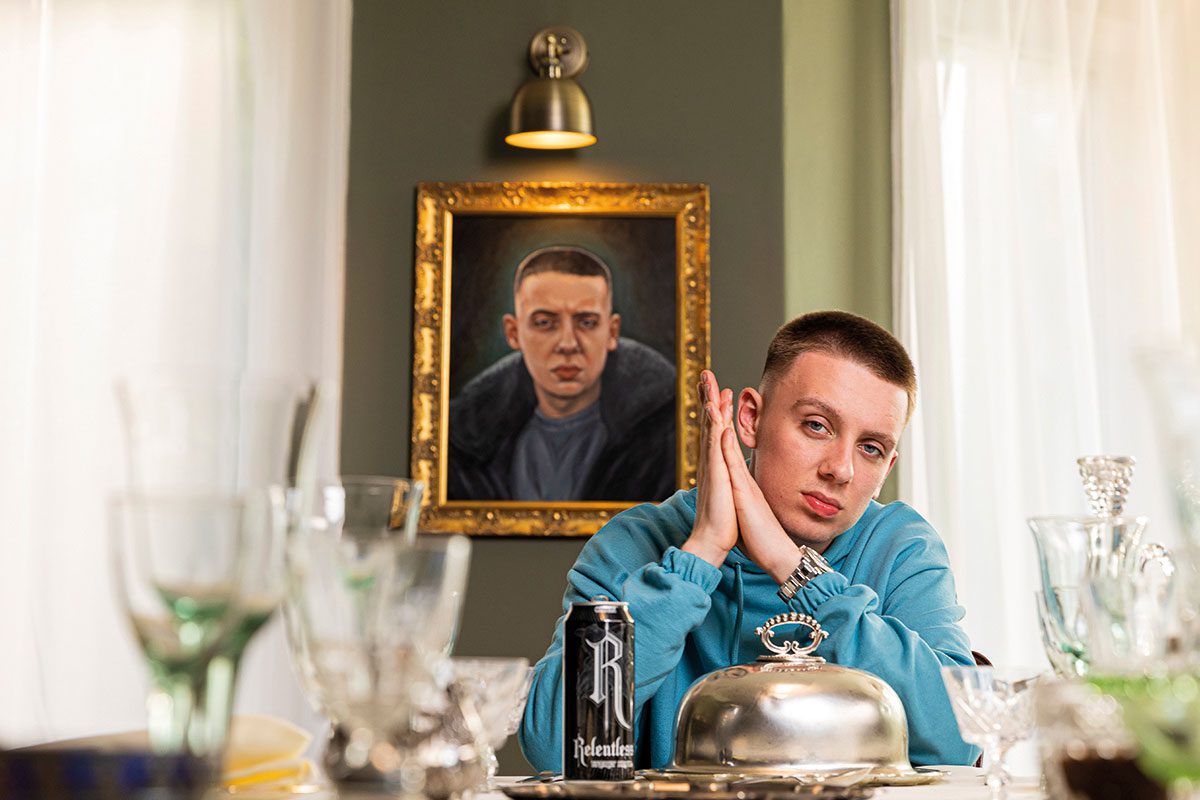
[{"x": 1106, "y": 482}]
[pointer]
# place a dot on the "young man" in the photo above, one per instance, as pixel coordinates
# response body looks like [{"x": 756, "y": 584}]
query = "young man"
[
  {"x": 796, "y": 529},
  {"x": 577, "y": 412}
]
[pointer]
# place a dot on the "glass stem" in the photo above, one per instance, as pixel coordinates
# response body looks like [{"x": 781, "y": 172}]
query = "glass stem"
[
  {"x": 189, "y": 709},
  {"x": 490, "y": 763},
  {"x": 997, "y": 773},
  {"x": 171, "y": 708},
  {"x": 218, "y": 697},
  {"x": 220, "y": 683}
]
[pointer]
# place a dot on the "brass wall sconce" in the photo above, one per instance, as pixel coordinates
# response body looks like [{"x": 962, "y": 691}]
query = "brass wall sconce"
[{"x": 551, "y": 111}]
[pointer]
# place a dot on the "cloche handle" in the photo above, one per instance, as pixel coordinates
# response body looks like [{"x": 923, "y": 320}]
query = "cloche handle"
[{"x": 791, "y": 649}]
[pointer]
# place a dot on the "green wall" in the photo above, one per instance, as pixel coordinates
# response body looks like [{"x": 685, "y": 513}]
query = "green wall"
[
  {"x": 837, "y": 161},
  {"x": 682, "y": 90},
  {"x": 837, "y": 157}
]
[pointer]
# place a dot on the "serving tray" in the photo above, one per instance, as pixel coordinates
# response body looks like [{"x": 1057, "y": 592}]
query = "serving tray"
[
  {"x": 676, "y": 788},
  {"x": 867, "y": 776}
]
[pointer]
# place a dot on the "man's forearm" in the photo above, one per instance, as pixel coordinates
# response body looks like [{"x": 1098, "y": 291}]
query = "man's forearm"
[{"x": 883, "y": 645}]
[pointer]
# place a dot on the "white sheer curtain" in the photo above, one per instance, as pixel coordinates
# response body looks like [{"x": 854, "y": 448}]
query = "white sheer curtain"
[
  {"x": 1047, "y": 192},
  {"x": 173, "y": 177}
]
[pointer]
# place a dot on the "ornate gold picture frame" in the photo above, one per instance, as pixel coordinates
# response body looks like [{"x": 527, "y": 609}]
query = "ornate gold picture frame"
[{"x": 551, "y": 310}]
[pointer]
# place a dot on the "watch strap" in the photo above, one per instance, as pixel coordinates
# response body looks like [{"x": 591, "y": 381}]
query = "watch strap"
[{"x": 811, "y": 565}]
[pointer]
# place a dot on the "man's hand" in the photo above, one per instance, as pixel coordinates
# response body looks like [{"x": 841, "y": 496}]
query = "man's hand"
[
  {"x": 715, "y": 531},
  {"x": 764, "y": 540}
]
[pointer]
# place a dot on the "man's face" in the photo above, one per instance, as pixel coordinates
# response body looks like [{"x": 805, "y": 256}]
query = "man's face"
[
  {"x": 824, "y": 438},
  {"x": 565, "y": 328}
]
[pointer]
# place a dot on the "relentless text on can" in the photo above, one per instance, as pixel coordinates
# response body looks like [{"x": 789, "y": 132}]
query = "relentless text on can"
[{"x": 598, "y": 692}]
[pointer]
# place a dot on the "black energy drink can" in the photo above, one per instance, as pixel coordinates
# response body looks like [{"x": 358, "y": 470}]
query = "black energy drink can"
[{"x": 598, "y": 692}]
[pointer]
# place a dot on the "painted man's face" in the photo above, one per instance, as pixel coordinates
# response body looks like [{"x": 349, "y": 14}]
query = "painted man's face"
[{"x": 565, "y": 328}]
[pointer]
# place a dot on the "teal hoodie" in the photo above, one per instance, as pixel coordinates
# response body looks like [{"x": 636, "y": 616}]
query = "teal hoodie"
[{"x": 889, "y": 607}]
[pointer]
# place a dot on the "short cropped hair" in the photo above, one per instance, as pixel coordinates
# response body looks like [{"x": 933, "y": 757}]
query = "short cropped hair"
[
  {"x": 566, "y": 259},
  {"x": 848, "y": 336}
]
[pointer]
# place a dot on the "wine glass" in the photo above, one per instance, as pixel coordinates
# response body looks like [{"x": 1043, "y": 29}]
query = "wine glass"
[
  {"x": 181, "y": 562},
  {"x": 994, "y": 709},
  {"x": 1172, "y": 376},
  {"x": 217, "y": 433},
  {"x": 371, "y": 616},
  {"x": 198, "y": 533},
  {"x": 498, "y": 689}
]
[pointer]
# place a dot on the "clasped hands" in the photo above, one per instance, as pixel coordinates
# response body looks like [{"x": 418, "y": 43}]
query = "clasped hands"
[{"x": 730, "y": 506}]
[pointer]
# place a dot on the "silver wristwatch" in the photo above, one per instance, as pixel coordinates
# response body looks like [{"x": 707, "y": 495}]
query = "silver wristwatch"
[{"x": 811, "y": 565}]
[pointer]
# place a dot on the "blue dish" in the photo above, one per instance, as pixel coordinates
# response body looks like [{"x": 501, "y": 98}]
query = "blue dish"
[{"x": 79, "y": 774}]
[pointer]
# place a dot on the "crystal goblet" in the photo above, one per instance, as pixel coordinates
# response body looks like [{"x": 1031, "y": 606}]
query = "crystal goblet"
[
  {"x": 1162, "y": 713},
  {"x": 1146, "y": 659},
  {"x": 498, "y": 689},
  {"x": 1087, "y": 751},
  {"x": 360, "y": 517},
  {"x": 372, "y": 616},
  {"x": 994, "y": 709}
]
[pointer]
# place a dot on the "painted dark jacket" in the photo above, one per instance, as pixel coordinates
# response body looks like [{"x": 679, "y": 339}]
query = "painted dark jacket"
[{"x": 637, "y": 406}]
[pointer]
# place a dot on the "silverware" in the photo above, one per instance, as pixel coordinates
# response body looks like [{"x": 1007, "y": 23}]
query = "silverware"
[{"x": 792, "y": 715}]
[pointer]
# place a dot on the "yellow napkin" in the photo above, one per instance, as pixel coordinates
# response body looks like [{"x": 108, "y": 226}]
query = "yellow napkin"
[
  {"x": 262, "y": 752},
  {"x": 265, "y": 752}
]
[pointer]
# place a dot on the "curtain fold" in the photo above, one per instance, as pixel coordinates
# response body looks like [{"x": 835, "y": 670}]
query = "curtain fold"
[
  {"x": 1046, "y": 176},
  {"x": 175, "y": 176}
]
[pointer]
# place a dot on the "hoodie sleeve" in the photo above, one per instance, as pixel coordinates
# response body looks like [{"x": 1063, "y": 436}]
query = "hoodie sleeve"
[
  {"x": 905, "y": 639},
  {"x": 669, "y": 595}
]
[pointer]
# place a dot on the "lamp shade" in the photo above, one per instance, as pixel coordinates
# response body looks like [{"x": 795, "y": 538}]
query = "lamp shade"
[{"x": 550, "y": 113}]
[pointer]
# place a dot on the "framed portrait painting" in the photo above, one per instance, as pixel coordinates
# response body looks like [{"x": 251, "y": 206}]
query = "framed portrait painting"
[{"x": 559, "y": 334}]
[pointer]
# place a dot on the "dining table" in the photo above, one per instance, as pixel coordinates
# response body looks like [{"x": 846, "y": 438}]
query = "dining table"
[{"x": 959, "y": 783}]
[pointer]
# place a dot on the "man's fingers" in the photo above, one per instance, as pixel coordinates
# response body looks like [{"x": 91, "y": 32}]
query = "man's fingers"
[
  {"x": 713, "y": 412},
  {"x": 739, "y": 473},
  {"x": 731, "y": 454},
  {"x": 707, "y": 384},
  {"x": 706, "y": 442},
  {"x": 716, "y": 452},
  {"x": 711, "y": 391},
  {"x": 709, "y": 400},
  {"x": 735, "y": 463}
]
